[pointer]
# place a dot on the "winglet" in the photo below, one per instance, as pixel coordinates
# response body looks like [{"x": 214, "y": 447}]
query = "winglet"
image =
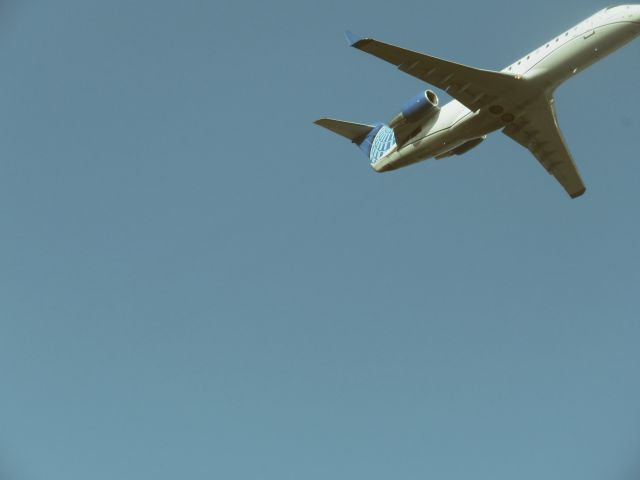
[{"x": 351, "y": 38}]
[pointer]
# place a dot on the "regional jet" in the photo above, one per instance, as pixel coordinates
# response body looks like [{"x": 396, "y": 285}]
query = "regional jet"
[{"x": 518, "y": 100}]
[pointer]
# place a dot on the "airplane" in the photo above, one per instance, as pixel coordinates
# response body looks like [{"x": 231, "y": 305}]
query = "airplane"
[{"x": 517, "y": 100}]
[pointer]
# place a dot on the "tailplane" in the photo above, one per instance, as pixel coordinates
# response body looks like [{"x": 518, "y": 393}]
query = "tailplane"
[
  {"x": 356, "y": 132},
  {"x": 373, "y": 140}
]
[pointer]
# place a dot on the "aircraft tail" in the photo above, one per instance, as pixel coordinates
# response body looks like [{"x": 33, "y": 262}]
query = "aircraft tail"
[
  {"x": 356, "y": 132},
  {"x": 373, "y": 140}
]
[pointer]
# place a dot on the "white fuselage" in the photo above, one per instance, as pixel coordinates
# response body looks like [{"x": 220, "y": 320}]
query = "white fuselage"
[{"x": 546, "y": 68}]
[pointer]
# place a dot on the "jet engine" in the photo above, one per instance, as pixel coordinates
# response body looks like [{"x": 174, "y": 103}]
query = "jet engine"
[{"x": 419, "y": 109}]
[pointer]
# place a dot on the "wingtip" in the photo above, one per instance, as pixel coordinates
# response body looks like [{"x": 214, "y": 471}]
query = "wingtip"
[{"x": 578, "y": 194}]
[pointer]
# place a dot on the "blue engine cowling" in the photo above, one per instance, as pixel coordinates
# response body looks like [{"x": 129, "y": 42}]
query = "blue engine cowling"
[{"x": 420, "y": 106}]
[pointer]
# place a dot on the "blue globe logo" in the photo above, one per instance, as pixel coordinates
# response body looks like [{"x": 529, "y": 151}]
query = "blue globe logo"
[{"x": 384, "y": 140}]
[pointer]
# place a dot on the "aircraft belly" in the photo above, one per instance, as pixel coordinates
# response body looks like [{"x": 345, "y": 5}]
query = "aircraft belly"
[{"x": 473, "y": 125}]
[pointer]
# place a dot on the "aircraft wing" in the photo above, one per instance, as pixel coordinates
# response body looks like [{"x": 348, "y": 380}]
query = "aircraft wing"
[
  {"x": 537, "y": 130},
  {"x": 473, "y": 87}
]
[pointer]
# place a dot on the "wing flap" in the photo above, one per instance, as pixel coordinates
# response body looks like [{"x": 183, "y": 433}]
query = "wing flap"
[{"x": 474, "y": 88}]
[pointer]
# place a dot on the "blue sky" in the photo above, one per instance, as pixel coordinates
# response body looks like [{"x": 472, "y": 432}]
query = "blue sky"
[{"x": 197, "y": 282}]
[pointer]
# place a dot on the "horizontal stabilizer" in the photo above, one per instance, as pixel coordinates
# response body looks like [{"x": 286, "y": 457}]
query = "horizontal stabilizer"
[{"x": 356, "y": 132}]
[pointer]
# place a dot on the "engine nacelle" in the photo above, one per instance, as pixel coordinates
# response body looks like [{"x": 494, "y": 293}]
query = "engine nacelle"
[{"x": 418, "y": 109}]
